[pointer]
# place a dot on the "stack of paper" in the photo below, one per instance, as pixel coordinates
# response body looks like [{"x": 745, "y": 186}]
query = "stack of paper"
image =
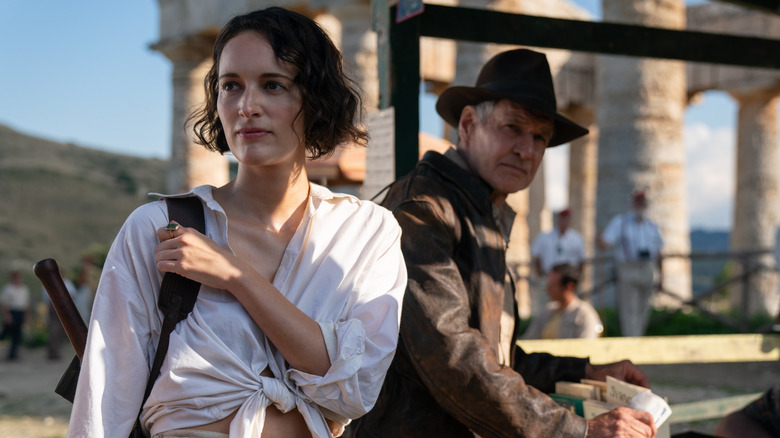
[{"x": 590, "y": 398}]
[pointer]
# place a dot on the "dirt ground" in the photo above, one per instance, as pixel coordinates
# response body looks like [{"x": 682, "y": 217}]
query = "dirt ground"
[{"x": 29, "y": 408}]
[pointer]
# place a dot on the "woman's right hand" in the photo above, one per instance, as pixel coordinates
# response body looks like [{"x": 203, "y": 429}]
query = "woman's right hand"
[{"x": 187, "y": 252}]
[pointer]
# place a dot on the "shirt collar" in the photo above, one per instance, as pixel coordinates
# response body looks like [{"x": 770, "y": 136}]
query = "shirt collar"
[
  {"x": 504, "y": 215},
  {"x": 317, "y": 194},
  {"x": 453, "y": 167},
  {"x": 475, "y": 188}
]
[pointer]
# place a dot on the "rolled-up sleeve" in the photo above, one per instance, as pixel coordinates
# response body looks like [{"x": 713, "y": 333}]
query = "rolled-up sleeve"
[{"x": 362, "y": 344}]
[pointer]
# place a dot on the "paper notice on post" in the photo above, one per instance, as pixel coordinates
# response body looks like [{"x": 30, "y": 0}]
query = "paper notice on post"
[{"x": 380, "y": 153}]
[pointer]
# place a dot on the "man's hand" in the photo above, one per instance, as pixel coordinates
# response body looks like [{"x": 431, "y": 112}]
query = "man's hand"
[
  {"x": 624, "y": 370},
  {"x": 622, "y": 423}
]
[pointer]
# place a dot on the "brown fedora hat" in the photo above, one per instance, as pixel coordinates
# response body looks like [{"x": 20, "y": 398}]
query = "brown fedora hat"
[{"x": 520, "y": 75}]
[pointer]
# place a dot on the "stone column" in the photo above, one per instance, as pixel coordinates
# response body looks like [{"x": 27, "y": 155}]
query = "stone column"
[
  {"x": 756, "y": 200},
  {"x": 640, "y": 118},
  {"x": 469, "y": 59},
  {"x": 191, "y": 164},
  {"x": 358, "y": 46},
  {"x": 518, "y": 255},
  {"x": 540, "y": 218},
  {"x": 536, "y": 220},
  {"x": 583, "y": 174}
]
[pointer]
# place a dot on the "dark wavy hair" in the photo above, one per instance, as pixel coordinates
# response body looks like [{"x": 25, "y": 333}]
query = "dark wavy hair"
[{"x": 331, "y": 105}]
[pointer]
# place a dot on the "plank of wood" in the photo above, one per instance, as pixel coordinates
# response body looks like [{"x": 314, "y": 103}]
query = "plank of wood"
[
  {"x": 481, "y": 25},
  {"x": 665, "y": 349}
]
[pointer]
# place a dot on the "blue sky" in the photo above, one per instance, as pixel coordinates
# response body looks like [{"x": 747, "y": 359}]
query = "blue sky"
[{"x": 82, "y": 71}]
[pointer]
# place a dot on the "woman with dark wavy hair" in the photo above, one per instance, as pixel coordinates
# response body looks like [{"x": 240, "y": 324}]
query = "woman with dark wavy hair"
[
  {"x": 297, "y": 317},
  {"x": 329, "y": 101}
]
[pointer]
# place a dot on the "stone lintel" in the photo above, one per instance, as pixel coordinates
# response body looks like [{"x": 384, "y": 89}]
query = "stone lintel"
[{"x": 736, "y": 20}]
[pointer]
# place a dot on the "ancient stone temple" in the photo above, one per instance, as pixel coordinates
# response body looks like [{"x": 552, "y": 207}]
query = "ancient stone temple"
[{"x": 634, "y": 109}]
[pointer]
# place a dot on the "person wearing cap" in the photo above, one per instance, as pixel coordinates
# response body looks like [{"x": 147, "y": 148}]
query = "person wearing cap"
[
  {"x": 457, "y": 371},
  {"x": 566, "y": 316},
  {"x": 636, "y": 243},
  {"x": 561, "y": 245}
]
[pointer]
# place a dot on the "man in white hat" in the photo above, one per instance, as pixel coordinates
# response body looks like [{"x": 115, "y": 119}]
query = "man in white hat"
[{"x": 457, "y": 371}]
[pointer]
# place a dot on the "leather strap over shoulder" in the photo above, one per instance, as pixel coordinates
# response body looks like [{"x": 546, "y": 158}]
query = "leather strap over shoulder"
[
  {"x": 177, "y": 294},
  {"x": 188, "y": 212}
]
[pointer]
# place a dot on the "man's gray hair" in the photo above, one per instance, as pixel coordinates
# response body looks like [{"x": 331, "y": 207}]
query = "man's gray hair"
[{"x": 483, "y": 110}]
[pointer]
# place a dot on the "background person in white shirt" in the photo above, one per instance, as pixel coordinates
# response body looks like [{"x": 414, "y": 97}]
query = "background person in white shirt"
[
  {"x": 636, "y": 243},
  {"x": 561, "y": 245},
  {"x": 15, "y": 305},
  {"x": 297, "y": 317}
]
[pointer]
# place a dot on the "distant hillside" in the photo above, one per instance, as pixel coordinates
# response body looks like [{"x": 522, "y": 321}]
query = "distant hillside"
[
  {"x": 709, "y": 241},
  {"x": 59, "y": 200},
  {"x": 705, "y": 271}
]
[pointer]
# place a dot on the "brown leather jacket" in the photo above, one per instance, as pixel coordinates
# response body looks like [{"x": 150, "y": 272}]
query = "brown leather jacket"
[{"x": 445, "y": 379}]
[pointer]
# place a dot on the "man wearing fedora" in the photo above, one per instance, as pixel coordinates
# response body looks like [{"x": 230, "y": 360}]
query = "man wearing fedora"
[{"x": 457, "y": 371}]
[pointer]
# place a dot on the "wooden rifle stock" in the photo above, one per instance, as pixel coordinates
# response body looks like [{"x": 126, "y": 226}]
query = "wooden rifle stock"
[{"x": 48, "y": 273}]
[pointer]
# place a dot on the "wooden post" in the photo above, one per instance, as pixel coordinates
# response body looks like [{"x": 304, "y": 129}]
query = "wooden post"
[
  {"x": 405, "y": 90},
  {"x": 399, "y": 79}
]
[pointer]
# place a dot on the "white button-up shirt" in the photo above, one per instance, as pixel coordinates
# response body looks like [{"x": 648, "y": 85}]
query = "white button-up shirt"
[
  {"x": 553, "y": 248},
  {"x": 15, "y": 297},
  {"x": 343, "y": 267},
  {"x": 630, "y": 238}
]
